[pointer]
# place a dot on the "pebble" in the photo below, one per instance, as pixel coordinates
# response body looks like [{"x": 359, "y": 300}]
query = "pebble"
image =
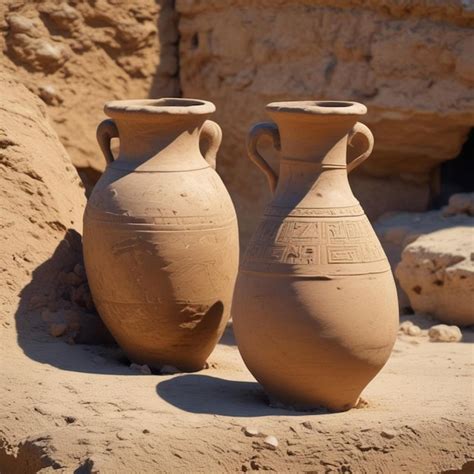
[
  {"x": 389, "y": 434},
  {"x": 47, "y": 316},
  {"x": 251, "y": 431},
  {"x": 73, "y": 279},
  {"x": 49, "y": 94},
  {"x": 413, "y": 330},
  {"x": 169, "y": 370},
  {"x": 271, "y": 442},
  {"x": 444, "y": 333},
  {"x": 308, "y": 425},
  {"x": 57, "y": 329},
  {"x": 80, "y": 271},
  {"x": 37, "y": 301},
  {"x": 48, "y": 51},
  {"x": 143, "y": 369},
  {"x": 20, "y": 24}
]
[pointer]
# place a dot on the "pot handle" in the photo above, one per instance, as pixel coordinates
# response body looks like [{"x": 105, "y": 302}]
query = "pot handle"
[
  {"x": 211, "y": 134},
  {"x": 105, "y": 132},
  {"x": 256, "y": 132},
  {"x": 360, "y": 128}
]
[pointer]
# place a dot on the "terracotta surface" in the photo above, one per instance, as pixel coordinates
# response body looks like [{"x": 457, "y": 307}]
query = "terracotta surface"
[
  {"x": 160, "y": 233},
  {"x": 79, "y": 408},
  {"x": 315, "y": 309}
]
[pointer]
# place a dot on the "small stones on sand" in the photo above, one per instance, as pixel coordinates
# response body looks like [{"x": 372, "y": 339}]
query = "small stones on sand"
[
  {"x": 307, "y": 424},
  {"x": 414, "y": 331},
  {"x": 80, "y": 271},
  {"x": 271, "y": 442},
  {"x": 169, "y": 370},
  {"x": 143, "y": 369},
  {"x": 49, "y": 94},
  {"x": 388, "y": 434},
  {"x": 251, "y": 431},
  {"x": 47, "y": 316},
  {"x": 361, "y": 403},
  {"x": 444, "y": 333},
  {"x": 73, "y": 279},
  {"x": 57, "y": 329},
  {"x": 410, "y": 329}
]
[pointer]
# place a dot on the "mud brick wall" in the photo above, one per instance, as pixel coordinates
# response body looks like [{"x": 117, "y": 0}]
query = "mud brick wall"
[
  {"x": 76, "y": 55},
  {"x": 410, "y": 61}
]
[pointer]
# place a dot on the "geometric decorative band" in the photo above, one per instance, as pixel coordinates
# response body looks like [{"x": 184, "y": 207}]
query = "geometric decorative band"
[{"x": 313, "y": 212}]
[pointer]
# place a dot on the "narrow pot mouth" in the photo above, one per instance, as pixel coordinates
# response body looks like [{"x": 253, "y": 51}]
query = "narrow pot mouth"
[
  {"x": 319, "y": 107},
  {"x": 164, "y": 106}
]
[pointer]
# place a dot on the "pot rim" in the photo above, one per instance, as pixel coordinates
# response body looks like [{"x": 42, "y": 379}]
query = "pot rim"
[
  {"x": 319, "y": 107},
  {"x": 163, "y": 106}
]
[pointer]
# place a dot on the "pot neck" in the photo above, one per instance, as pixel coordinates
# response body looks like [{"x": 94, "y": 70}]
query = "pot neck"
[
  {"x": 314, "y": 139},
  {"x": 158, "y": 138},
  {"x": 313, "y": 167}
]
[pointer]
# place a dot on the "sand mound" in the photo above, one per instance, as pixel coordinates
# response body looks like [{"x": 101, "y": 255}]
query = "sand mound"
[
  {"x": 41, "y": 204},
  {"x": 42, "y": 198}
]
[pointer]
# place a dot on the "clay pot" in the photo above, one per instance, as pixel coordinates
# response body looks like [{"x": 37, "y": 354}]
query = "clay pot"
[
  {"x": 160, "y": 233},
  {"x": 315, "y": 307}
]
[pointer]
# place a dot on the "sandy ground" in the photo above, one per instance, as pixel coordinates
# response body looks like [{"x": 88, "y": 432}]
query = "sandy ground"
[{"x": 81, "y": 409}]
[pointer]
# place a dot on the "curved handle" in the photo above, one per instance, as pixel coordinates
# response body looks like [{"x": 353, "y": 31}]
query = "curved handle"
[
  {"x": 360, "y": 128},
  {"x": 211, "y": 133},
  {"x": 256, "y": 132},
  {"x": 105, "y": 132}
]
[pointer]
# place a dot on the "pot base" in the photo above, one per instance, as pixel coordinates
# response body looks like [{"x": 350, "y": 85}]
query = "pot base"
[{"x": 315, "y": 343}]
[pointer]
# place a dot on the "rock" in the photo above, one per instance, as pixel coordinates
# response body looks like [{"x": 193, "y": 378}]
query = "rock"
[
  {"x": 49, "y": 94},
  {"x": 307, "y": 424},
  {"x": 398, "y": 230},
  {"x": 437, "y": 274},
  {"x": 404, "y": 326},
  {"x": 169, "y": 370},
  {"x": 80, "y": 271},
  {"x": 73, "y": 279},
  {"x": 143, "y": 369},
  {"x": 57, "y": 329},
  {"x": 444, "y": 333},
  {"x": 419, "y": 99},
  {"x": 462, "y": 203},
  {"x": 414, "y": 331},
  {"x": 251, "y": 431},
  {"x": 388, "y": 434},
  {"x": 410, "y": 329},
  {"x": 271, "y": 442}
]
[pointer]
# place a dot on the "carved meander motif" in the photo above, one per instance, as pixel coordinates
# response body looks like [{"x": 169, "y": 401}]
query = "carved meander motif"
[{"x": 315, "y": 246}]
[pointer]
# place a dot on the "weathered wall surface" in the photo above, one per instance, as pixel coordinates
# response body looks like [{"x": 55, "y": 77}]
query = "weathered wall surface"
[
  {"x": 77, "y": 54},
  {"x": 410, "y": 61}
]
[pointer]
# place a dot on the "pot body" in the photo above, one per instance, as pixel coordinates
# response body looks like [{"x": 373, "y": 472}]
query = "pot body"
[
  {"x": 161, "y": 242},
  {"x": 315, "y": 307}
]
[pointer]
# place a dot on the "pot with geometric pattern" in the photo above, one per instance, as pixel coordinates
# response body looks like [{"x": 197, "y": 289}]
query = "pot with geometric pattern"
[{"x": 315, "y": 310}]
